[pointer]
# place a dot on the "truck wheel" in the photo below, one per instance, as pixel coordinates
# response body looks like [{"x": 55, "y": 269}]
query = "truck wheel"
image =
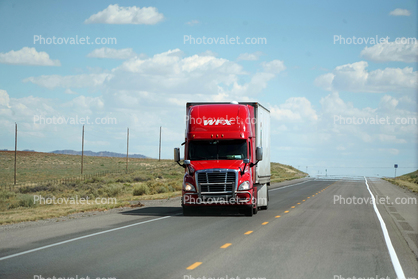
[
  {"x": 255, "y": 210},
  {"x": 266, "y": 206},
  {"x": 249, "y": 211}
]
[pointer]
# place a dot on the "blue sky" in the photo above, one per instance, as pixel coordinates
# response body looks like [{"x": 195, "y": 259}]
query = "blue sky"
[{"x": 144, "y": 80}]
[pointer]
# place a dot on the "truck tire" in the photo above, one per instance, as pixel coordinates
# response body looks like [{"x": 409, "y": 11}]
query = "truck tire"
[
  {"x": 249, "y": 211},
  {"x": 255, "y": 207},
  {"x": 255, "y": 210},
  {"x": 266, "y": 206}
]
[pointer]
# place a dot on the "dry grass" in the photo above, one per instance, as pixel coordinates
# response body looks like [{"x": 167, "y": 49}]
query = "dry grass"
[
  {"x": 409, "y": 181},
  {"x": 38, "y": 166},
  {"x": 280, "y": 172}
]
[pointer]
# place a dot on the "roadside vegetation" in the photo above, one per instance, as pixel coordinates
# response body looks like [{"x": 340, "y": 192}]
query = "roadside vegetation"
[
  {"x": 280, "y": 172},
  {"x": 408, "y": 181},
  {"x": 149, "y": 179},
  {"x": 39, "y": 166}
]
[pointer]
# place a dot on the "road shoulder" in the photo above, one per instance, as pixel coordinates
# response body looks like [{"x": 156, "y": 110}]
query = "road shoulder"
[{"x": 399, "y": 209}]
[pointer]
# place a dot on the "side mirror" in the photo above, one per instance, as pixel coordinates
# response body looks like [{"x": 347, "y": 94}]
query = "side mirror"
[
  {"x": 259, "y": 153},
  {"x": 186, "y": 162},
  {"x": 176, "y": 155},
  {"x": 246, "y": 161}
]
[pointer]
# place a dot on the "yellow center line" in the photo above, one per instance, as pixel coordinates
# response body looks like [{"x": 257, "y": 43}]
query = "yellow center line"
[
  {"x": 298, "y": 202},
  {"x": 193, "y": 266},
  {"x": 226, "y": 245},
  {"x": 265, "y": 223},
  {"x": 309, "y": 197},
  {"x": 303, "y": 200},
  {"x": 278, "y": 216},
  {"x": 293, "y": 206},
  {"x": 287, "y": 211},
  {"x": 249, "y": 232}
]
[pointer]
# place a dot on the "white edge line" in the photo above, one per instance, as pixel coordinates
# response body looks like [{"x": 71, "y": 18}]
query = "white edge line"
[
  {"x": 393, "y": 256},
  {"x": 78, "y": 238},
  {"x": 280, "y": 188}
]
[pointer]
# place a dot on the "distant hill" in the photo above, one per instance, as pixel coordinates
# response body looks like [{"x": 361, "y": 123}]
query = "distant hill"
[{"x": 98, "y": 154}]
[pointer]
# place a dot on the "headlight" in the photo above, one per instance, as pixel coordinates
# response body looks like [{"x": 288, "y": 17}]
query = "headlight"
[
  {"x": 244, "y": 186},
  {"x": 188, "y": 187}
]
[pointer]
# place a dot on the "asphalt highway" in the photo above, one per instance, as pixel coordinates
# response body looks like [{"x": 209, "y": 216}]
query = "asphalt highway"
[{"x": 303, "y": 234}]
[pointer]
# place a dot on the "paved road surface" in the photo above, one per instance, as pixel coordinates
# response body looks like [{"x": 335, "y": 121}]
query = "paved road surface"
[{"x": 312, "y": 238}]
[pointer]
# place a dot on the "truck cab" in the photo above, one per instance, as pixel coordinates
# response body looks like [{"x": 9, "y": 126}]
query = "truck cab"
[{"x": 223, "y": 156}]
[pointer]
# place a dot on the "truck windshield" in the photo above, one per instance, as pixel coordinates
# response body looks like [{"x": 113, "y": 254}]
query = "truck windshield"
[{"x": 218, "y": 150}]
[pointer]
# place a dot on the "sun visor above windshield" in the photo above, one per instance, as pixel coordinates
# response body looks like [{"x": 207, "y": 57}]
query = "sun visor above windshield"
[{"x": 228, "y": 121}]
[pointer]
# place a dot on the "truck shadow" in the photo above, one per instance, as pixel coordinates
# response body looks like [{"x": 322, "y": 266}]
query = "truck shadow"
[
  {"x": 155, "y": 211},
  {"x": 176, "y": 211}
]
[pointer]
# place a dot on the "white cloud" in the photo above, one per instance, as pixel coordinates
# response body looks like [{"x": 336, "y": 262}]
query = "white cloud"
[
  {"x": 171, "y": 76},
  {"x": 295, "y": 109},
  {"x": 112, "y": 53},
  {"x": 391, "y": 52},
  {"x": 193, "y": 22},
  {"x": 257, "y": 83},
  {"x": 347, "y": 122},
  {"x": 70, "y": 92},
  {"x": 355, "y": 78},
  {"x": 400, "y": 12},
  {"x": 4, "y": 98},
  {"x": 208, "y": 53},
  {"x": 390, "y": 139},
  {"x": 76, "y": 81},
  {"x": 274, "y": 67},
  {"x": 250, "y": 56},
  {"x": 28, "y": 56},
  {"x": 114, "y": 14},
  {"x": 85, "y": 105},
  {"x": 171, "y": 73}
]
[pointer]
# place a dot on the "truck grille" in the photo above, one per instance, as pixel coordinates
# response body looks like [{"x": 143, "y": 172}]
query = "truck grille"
[{"x": 211, "y": 182}]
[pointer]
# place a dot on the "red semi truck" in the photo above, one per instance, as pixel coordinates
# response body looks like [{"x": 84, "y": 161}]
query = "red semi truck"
[{"x": 226, "y": 156}]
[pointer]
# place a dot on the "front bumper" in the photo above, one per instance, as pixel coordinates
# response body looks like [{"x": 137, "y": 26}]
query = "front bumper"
[{"x": 240, "y": 198}]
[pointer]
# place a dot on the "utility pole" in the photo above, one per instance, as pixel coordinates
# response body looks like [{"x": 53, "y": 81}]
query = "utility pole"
[
  {"x": 395, "y": 166},
  {"x": 82, "y": 150},
  {"x": 127, "y": 151},
  {"x": 15, "y": 153},
  {"x": 306, "y": 169},
  {"x": 159, "y": 154}
]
